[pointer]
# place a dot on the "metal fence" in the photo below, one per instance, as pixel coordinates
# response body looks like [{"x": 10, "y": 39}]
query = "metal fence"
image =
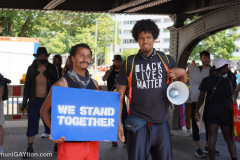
[{"x": 12, "y": 106}]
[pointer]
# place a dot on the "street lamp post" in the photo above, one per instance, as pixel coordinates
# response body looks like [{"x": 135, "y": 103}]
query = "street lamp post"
[
  {"x": 115, "y": 36},
  {"x": 95, "y": 55}
]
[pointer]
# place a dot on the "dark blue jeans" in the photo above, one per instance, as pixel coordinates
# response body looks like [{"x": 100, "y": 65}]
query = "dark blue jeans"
[
  {"x": 34, "y": 116},
  {"x": 154, "y": 139}
]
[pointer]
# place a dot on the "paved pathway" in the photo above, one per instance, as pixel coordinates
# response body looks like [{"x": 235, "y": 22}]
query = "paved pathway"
[{"x": 183, "y": 147}]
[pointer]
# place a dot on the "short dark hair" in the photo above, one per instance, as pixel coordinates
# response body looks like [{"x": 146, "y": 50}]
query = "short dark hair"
[
  {"x": 59, "y": 57},
  {"x": 206, "y": 53},
  {"x": 73, "y": 49},
  {"x": 145, "y": 25}
]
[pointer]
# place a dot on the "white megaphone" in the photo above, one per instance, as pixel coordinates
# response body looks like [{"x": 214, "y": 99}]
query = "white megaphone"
[{"x": 177, "y": 93}]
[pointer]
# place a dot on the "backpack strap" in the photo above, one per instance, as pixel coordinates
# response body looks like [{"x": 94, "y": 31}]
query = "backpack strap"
[
  {"x": 211, "y": 70},
  {"x": 163, "y": 57},
  {"x": 129, "y": 71},
  {"x": 129, "y": 65}
]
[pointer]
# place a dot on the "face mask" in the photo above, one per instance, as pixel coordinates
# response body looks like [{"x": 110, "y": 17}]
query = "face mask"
[
  {"x": 43, "y": 61},
  {"x": 58, "y": 65},
  {"x": 225, "y": 75}
]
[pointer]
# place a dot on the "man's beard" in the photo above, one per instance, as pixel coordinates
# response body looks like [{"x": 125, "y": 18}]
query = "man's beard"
[{"x": 43, "y": 61}]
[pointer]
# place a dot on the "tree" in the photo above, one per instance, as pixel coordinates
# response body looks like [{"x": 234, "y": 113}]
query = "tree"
[
  {"x": 128, "y": 52},
  {"x": 59, "y": 43},
  {"x": 220, "y": 44},
  {"x": 82, "y": 35},
  {"x": 58, "y": 31},
  {"x": 19, "y": 23},
  {"x": 105, "y": 32}
]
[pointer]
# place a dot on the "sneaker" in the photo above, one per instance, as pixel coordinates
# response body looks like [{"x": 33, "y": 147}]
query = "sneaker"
[
  {"x": 199, "y": 153},
  {"x": 45, "y": 135},
  {"x": 188, "y": 134},
  {"x": 206, "y": 151},
  {"x": 55, "y": 149},
  {"x": 114, "y": 145},
  {"x": 28, "y": 153}
]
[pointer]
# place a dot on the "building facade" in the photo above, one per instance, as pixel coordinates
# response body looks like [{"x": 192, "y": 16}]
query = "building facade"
[{"x": 126, "y": 23}]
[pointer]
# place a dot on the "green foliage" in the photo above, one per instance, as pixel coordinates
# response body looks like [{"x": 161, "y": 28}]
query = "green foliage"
[
  {"x": 235, "y": 58},
  {"x": 59, "y": 43},
  {"x": 82, "y": 35},
  {"x": 14, "y": 21},
  {"x": 105, "y": 32},
  {"x": 220, "y": 44},
  {"x": 128, "y": 52},
  {"x": 58, "y": 31}
]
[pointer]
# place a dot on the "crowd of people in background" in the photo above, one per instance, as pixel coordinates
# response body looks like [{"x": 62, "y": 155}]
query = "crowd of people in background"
[{"x": 216, "y": 84}]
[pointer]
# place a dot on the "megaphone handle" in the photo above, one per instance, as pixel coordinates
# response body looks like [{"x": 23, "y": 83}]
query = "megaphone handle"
[{"x": 172, "y": 105}]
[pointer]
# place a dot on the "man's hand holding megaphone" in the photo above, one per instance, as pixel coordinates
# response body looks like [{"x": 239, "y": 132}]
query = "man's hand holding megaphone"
[
  {"x": 178, "y": 74},
  {"x": 177, "y": 92}
]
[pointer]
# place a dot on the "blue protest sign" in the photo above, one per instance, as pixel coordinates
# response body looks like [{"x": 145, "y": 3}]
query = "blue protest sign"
[{"x": 84, "y": 115}]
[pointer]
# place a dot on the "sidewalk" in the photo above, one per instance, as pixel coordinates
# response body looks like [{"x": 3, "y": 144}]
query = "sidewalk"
[{"x": 183, "y": 147}]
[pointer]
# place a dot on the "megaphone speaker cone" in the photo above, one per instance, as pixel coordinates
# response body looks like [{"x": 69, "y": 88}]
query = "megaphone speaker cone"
[
  {"x": 177, "y": 93},
  {"x": 173, "y": 92}
]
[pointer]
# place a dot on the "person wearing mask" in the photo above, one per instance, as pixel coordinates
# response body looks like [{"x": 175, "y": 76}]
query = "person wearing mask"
[
  {"x": 196, "y": 75},
  {"x": 41, "y": 75},
  {"x": 217, "y": 112}
]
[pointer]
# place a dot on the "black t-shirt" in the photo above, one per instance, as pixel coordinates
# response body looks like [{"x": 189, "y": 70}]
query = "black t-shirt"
[
  {"x": 111, "y": 81},
  {"x": 222, "y": 94},
  {"x": 149, "y": 97}
]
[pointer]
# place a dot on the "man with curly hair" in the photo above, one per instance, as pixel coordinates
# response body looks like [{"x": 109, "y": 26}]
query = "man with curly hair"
[{"x": 149, "y": 100}]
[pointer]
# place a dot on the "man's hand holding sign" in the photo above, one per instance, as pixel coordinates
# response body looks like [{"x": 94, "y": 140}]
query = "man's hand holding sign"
[{"x": 79, "y": 112}]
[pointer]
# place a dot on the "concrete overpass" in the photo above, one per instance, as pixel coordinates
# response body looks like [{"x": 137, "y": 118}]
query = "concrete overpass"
[{"x": 216, "y": 15}]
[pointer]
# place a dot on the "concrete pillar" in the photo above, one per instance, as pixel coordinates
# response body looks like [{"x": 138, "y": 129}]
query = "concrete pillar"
[{"x": 174, "y": 120}]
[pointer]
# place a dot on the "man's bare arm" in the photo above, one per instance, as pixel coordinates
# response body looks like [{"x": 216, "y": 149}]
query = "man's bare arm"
[
  {"x": 199, "y": 104},
  {"x": 106, "y": 76},
  {"x": 121, "y": 89}
]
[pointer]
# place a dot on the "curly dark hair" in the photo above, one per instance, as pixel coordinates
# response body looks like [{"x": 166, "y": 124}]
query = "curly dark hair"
[
  {"x": 73, "y": 49},
  {"x": 145, "y": 25}
]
